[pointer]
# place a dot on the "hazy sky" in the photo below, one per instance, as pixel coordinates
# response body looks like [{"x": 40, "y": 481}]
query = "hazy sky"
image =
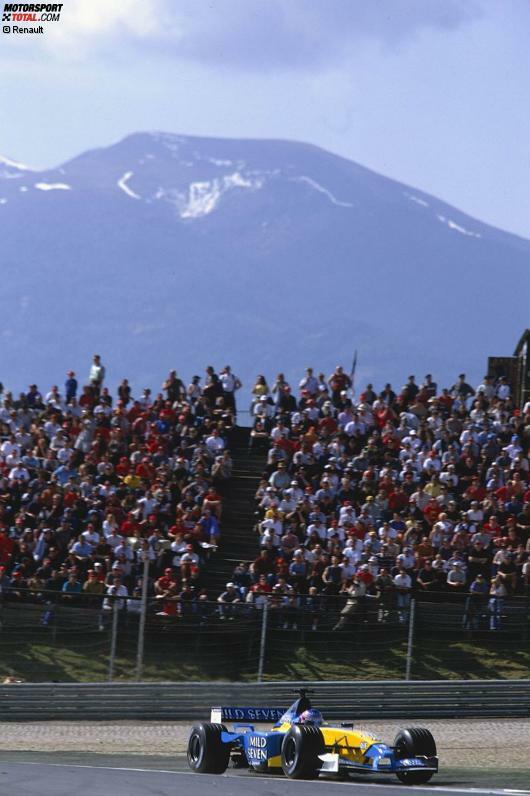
[{"x": 432, "y": 92}]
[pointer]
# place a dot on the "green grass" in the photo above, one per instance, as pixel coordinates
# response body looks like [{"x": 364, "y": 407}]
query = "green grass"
[
  {"x": 464, "y": 659},
  {"x": 74, "y": 657}
]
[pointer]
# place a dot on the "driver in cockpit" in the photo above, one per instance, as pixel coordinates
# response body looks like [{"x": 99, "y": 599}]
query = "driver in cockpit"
[{"x": 311, "y": 717}]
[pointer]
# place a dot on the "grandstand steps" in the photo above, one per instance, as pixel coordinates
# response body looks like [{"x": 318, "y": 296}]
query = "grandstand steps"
[{"x": 239, "y": 540}]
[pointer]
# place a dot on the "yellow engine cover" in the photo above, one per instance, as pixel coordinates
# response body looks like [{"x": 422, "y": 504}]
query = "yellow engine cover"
[{"x": 351, "y": 744}]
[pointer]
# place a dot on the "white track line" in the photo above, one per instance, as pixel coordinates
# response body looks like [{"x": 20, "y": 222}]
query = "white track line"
[{"x": 502, "y": 791}]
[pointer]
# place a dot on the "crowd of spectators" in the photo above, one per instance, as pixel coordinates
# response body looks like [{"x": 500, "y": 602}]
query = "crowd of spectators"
[
  {"x": 92, "y": 485},
  {"x": 422, "y": 491}
]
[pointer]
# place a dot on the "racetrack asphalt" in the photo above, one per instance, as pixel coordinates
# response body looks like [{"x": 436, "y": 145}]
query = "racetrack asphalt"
[{"x": 85, "y": 774}]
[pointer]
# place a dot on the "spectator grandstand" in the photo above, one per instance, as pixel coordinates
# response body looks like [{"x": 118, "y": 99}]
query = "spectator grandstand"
[
  {"x": 90, "y": 486},
  {"x": 423, "y": 491}
]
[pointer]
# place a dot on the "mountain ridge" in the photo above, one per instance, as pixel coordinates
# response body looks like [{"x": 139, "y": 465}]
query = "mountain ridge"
[
  {"x": 149, "y": 135},
  {"x": 269, "y": 253}
]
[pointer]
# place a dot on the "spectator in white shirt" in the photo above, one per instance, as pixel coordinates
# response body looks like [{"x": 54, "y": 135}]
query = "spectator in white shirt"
[
  {"x": 403, "y": 585},
  {"x": 486, "y": 388},
  {"x": 118, "y": 590},
  {"x": 503, "y": 391},
  {"x": 215, "y": 443},
  {"x": 18, "y": 473},
  {"x": 309, "y": 383}
]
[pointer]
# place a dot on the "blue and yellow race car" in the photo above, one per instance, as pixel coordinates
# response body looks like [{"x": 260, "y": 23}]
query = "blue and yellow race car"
[{"x": 303, "y": 746}]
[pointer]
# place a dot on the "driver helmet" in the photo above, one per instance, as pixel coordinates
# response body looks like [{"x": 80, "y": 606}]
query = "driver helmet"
[{"x": 312, "y": 717}]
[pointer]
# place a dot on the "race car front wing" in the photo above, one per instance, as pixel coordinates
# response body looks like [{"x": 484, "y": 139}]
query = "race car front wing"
[{"x": 379, "y": 759}]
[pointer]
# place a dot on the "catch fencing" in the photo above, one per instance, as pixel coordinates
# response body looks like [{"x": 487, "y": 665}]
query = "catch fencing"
[{"x": 47, "y": 638}]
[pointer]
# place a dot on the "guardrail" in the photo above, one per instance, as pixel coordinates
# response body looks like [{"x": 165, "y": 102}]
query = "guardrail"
[{"x": 337, "y": 700}]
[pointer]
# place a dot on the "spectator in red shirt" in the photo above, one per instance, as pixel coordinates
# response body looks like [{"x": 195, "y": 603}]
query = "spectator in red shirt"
[{"x": 397, "y": 500}]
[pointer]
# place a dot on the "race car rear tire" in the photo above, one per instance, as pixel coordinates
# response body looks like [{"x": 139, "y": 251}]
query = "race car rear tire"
[
  {"x": 414, "y": 742},
  {"x": 207, "y": 754},
  {"x": 301, "y": 748}
]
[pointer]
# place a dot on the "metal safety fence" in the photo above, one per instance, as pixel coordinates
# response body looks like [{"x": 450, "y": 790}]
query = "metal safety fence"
[
  {"x": 352, "y": 700},
  {"x": 52, "y": 637}
]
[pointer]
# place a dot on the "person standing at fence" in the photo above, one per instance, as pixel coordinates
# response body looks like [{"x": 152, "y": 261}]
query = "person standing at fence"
[
  {"x": 94, "y": 588},
  {"x": 355, "y": 593},
  {"x": 313, "y": 607},
  {"x": 119, "y": 591},
  {"x": 476, "y": 603},
  {"x": 403, "y": 586},
  {"x": 384, "y": 589},
  {"x": 498, "y": 592},
  {"x": 290, "y": 610}
]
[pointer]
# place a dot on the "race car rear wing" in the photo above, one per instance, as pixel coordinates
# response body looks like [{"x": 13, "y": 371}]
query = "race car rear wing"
[{"x": 218, "y": 715}]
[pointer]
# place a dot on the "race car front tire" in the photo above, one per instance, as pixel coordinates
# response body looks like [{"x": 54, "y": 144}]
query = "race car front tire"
[
  {"x": 414, "y": 742},
  {"x": 207, "y": 754},
  {"x": 301, "y": 748}
]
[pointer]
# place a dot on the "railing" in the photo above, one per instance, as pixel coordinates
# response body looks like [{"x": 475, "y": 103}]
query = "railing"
[
  {"x": 45, "y": 638},
  {"x": 351, "y": 700}
]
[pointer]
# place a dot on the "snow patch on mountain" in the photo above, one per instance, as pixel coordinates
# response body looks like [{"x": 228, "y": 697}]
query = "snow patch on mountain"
[
  {"x": 122, "y": 183},
  {"x": 320, "y": 188},
  {"x": 52, "y": 186},
  {"x": 203, "y": 197},
  {"x": 457, "y": 228},
  {"x": 416, "y": 199},
  {"x": 14, "y": 164}
]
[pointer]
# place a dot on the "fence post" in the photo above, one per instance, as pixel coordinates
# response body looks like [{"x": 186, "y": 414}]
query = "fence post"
[
  {"x": 113, "y": 639},
  {"x": 410, "y": 642},
  {"x": 141, "y": 626},
  {"x": 263, "y": 641}
]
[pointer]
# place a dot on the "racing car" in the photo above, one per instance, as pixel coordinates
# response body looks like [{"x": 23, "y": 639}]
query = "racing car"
[{"x": 303, "y": 746}]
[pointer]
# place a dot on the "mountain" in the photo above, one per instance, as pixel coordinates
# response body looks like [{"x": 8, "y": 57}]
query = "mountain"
[{"x": 166, "y": 251}]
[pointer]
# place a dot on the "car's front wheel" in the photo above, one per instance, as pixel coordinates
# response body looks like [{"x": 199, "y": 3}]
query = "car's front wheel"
[
  {"x": 414, "y": 742},
  {"x": 301, "y": 748},
  {"x": 207, "y": 754}
]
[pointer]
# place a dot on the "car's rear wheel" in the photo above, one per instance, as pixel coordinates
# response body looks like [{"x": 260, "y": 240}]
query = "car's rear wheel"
[
  {"x": 301, "y": 748},
  {"x": 414, "y": 742},
  {"x": 207, "y": 754}
]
